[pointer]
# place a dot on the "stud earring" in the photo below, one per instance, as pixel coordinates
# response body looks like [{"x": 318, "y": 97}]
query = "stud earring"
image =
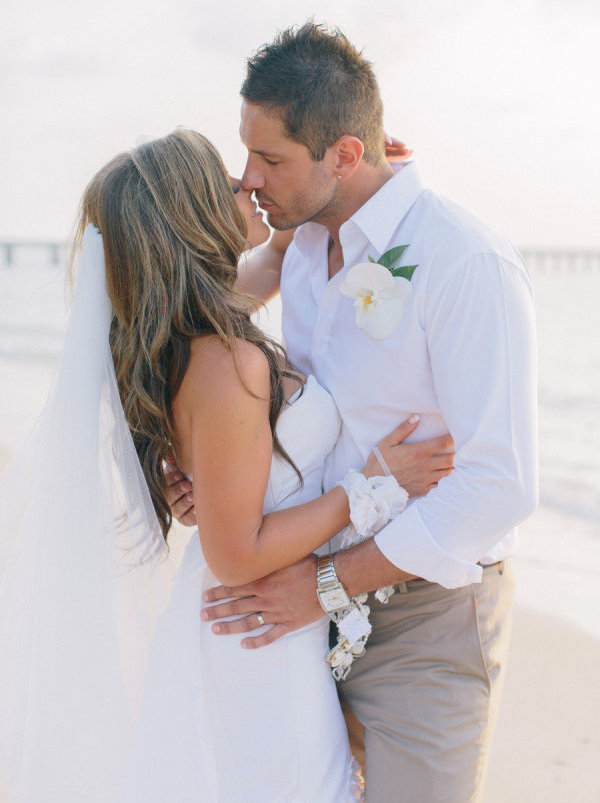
[{"x": 339, "y": 175}]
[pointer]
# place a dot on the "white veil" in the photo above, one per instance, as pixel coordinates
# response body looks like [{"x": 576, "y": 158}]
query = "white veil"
[{"x": 82, "y": 569}]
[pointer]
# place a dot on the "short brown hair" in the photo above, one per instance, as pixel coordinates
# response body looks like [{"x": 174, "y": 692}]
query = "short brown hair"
[{"x": 321, "y": 85}]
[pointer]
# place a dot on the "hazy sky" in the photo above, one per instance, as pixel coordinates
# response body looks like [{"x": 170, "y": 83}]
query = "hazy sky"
[{"x": 498, "y": 99}]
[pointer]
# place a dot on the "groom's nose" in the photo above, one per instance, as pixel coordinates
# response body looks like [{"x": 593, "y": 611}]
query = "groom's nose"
[{"x": 252, "y": 179}]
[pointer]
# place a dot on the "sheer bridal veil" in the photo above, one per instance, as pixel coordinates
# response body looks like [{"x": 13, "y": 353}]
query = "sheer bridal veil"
[{"x": 82, "y": 567}]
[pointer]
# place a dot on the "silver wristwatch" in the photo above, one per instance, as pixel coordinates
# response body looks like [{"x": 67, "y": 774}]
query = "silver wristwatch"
[{"x": 330, "y": 591}]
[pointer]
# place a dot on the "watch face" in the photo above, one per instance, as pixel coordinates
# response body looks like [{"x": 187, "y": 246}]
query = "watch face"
[{"x": 334, "y": 599}]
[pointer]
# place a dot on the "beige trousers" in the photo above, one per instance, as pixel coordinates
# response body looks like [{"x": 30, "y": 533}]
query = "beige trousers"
[{"x": 427, "y": 689}]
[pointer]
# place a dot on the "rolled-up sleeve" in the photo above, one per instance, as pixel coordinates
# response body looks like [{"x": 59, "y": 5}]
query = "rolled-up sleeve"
[{"x": 479, "y": 326}]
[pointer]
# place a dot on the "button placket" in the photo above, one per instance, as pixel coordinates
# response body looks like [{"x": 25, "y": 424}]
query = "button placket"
[
  {"x": 328, "y": 297},
  {"x": 321, "y": 335}
]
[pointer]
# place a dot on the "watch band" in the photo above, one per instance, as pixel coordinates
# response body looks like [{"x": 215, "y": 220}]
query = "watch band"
[
  {"x": 326, "y": 574},
  {"x": 331, "y": 593}
]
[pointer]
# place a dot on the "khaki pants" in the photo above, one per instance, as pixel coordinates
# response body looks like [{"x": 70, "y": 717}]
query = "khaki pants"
[{"x": 427, "y": 689}]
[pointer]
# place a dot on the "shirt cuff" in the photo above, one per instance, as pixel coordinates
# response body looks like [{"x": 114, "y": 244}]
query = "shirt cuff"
[{"x": 407, "y": 543}]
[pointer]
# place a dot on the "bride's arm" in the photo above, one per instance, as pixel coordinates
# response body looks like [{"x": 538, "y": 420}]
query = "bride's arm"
[
  {"x": 259, "y": 270},
  {"x": 231, "y": 448}
]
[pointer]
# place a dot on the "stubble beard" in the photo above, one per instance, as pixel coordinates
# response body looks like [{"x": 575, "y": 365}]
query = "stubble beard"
[{"x": 303, "y": 209}]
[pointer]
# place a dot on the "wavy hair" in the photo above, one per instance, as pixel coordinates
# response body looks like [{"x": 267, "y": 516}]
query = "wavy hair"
[{"x": 173, "y": 235}]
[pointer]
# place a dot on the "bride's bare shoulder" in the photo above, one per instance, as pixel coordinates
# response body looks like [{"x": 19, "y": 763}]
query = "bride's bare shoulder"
[
  {"x": 219, "y": 372},
  {"x": 220, "y": 398}
]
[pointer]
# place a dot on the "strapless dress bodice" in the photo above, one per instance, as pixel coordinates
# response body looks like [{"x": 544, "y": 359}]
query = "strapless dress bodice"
[{"x": 308, "y": 428}]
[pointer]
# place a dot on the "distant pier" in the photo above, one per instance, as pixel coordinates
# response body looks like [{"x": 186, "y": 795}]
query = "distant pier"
[
  {"x": 555, "y": 259},
  {"x": 14, "y": 252},
  {"x": 11, "y": 250}
]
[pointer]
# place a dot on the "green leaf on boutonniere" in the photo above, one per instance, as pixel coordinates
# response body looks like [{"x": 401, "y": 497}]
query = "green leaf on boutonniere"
[
  {"x": 389, "y": 259},
  {"x": 406, "y": 271},
  {"x": 392, "y": 256}
]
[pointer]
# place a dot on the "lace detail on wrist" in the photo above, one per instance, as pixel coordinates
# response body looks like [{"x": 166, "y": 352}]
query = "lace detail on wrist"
[
  {"x": 373, "y": 502},
  {"x": 356, "y": 782}
]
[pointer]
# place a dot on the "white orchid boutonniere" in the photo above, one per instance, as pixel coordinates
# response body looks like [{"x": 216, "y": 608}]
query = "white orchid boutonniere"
[{"x": 380, "y": 292}]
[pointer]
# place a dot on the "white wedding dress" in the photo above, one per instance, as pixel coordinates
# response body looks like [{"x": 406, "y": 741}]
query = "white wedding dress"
[
  {"x": 98, "y": 703},
  {"x": 221, "y": 723}
]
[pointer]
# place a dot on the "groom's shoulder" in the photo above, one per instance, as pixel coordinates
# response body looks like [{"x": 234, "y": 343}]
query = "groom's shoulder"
[{"x": 454, "y": 235}]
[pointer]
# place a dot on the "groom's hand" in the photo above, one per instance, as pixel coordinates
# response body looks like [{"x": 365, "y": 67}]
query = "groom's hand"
[{"x": 285, "y": 599}]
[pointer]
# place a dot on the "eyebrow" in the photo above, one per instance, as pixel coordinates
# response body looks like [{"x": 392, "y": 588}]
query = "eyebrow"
[{"x": 270, "y": 154}]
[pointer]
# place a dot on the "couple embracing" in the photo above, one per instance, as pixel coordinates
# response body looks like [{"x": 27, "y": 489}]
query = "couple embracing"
[{"x": 402, "y": 316}]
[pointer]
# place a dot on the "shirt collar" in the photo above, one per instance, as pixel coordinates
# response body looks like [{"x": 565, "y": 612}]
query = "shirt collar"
[
  {"x": 380, "y": 216},
  {"x": 307, "y": 235}
]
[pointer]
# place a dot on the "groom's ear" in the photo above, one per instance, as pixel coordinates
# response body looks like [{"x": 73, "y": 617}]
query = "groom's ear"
[{"x": 348, "y": 152}]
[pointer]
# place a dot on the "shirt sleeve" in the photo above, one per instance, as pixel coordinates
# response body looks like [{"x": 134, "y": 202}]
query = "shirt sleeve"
[{"x": 479, "y": 327}]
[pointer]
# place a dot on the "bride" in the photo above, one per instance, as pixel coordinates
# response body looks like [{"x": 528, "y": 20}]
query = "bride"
[{"x": 98, "y": 703}]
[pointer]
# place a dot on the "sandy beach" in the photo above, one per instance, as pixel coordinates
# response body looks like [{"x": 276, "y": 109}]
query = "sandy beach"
[{"x": 547, "y": 741}]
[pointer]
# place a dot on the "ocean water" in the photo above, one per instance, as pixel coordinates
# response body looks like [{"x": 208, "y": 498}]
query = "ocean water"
[{"x": 558, "y": 568}]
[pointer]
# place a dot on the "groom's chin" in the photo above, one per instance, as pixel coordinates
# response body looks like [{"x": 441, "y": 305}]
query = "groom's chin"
[{"x": 279, "y": 223}]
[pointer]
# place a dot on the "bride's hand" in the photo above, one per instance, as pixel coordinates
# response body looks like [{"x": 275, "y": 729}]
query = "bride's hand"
[
  {"x": 179, "y": 493},
  {"x": 417, "y": 466},
  {"x": 396, "y": 151}
]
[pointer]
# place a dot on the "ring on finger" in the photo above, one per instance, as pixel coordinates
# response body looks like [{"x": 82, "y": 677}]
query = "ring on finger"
[{"x": 259, "y": 616}]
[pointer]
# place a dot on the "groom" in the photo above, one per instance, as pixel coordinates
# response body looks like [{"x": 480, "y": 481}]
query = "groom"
[{"x": 460, "y": 351}]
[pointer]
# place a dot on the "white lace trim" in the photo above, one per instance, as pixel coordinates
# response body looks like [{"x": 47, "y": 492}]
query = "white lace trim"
[
  {"x": 373, "y": 502},
  {"x": 356, "y": 782}
]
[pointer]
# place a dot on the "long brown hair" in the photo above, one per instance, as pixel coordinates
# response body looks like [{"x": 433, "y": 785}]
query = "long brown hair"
[{"x": 172, "y": 234}]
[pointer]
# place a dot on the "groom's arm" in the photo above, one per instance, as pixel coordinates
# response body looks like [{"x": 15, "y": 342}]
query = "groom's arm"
[
  {"x": 479, "y": 327},
  {"x": 287, "y": 599}
]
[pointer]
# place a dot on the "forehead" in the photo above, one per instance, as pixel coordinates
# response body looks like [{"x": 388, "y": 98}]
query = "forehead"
[{"x": 263, "y": 131}]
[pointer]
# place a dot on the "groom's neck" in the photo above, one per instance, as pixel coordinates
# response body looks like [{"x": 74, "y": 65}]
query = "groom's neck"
[{"x": 357, "y": 189}]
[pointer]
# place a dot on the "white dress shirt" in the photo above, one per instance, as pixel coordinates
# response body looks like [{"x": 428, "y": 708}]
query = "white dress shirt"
[{"x": 463, "y": 357}]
